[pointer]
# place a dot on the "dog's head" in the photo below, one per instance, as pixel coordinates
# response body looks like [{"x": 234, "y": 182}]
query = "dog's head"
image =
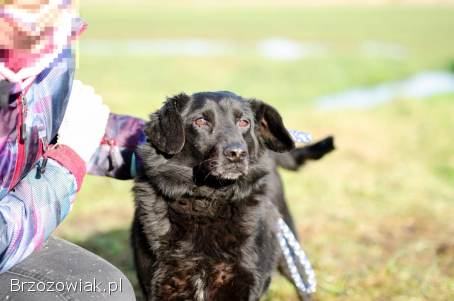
[{"x": 219, "y": 135}]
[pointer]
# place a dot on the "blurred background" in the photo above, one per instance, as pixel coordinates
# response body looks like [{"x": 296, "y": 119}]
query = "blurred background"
[{"x": 376, "y": 217}]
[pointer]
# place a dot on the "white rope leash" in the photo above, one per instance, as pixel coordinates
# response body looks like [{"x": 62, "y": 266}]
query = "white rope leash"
[{"x": 290, "y": 247}]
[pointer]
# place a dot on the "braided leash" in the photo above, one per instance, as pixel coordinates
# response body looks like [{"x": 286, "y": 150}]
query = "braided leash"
[
  {"x": 292, "y": 251},
  {"x": 293, "y": 254}
]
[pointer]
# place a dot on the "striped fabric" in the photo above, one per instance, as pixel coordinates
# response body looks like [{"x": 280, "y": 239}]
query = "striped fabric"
[{"x": 30, "y": 213}]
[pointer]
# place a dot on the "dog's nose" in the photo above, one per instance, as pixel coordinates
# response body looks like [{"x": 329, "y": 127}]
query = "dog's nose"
[{"x": 235, "y": 152}]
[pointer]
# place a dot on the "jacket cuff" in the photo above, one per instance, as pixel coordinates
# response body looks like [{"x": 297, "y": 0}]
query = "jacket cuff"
[{"x": 69, "y": 159}]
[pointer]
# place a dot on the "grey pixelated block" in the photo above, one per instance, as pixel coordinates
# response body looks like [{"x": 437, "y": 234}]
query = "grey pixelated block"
[{"x": 5, "y": 88}]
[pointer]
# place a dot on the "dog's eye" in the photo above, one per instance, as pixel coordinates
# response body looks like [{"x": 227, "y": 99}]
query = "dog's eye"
[
  {"x": 201, "y": 122},
  {"x": 243, "y": 123}
]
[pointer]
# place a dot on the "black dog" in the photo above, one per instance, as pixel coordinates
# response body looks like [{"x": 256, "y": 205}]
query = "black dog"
[{"x": 206, "y": 199}]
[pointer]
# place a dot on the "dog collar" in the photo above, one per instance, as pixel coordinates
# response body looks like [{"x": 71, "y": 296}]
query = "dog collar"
[{"x": 198, "y": 207}]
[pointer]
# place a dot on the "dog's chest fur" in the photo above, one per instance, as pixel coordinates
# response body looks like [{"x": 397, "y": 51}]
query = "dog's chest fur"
[{"x": 205, "y": 249}]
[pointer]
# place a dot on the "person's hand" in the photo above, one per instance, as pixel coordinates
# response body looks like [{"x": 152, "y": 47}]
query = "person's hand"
[{"x": 85, "y": 120}]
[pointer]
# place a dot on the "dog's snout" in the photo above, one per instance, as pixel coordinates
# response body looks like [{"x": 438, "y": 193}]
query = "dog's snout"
[{"x": 235, "y": 152}]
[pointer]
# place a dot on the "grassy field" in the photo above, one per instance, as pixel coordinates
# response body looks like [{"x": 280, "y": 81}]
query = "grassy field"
[{"x": 376, "y": 216}]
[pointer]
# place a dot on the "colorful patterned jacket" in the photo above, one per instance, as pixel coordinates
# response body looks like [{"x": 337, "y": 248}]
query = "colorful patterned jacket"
[{"x": 39, "y": 181}]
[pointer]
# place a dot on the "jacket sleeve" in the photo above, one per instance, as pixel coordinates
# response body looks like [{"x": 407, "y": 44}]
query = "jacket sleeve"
[
  {"x": 115, "y": 157},
  {"x": 37, "y": 205}
]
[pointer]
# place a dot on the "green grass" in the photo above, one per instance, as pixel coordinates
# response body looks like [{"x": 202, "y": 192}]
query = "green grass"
[{"x": 375, "y": 217}]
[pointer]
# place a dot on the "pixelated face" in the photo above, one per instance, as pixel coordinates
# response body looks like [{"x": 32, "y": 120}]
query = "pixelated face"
[
  {"x": 26, "y": 4},
  {"x": 25, "y": 23},
  {"x": 6, "y": 35},
  {"x": 12, "y": 37}
]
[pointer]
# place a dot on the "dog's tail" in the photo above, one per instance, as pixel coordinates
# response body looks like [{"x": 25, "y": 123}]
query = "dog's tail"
[{"x": 296, "y": 158}]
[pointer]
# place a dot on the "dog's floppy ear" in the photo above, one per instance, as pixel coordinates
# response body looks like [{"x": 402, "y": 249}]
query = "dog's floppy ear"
[
  {"x": 165, "y": 130},
  {"x": 271, "y": 128}
]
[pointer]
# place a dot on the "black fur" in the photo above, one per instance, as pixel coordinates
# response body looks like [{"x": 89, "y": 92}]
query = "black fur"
[
  {"x": 205, "y": 222},
  {"x": 296, "y": 158}
]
